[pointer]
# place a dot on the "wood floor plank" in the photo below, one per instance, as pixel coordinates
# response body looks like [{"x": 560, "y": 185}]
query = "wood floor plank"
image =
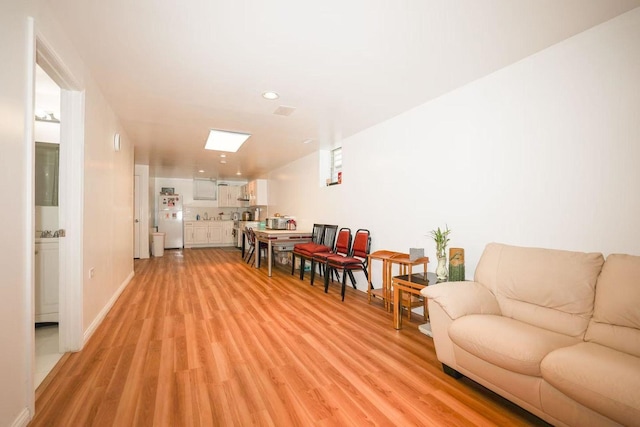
[{"x": 200, "y": 338}]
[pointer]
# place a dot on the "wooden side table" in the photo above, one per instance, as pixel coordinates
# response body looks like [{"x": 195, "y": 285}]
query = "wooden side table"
[
  {"x": 412, "y": 284},
  {"x": 406, "y": 268},
  {"x": 385, "y": 291}
]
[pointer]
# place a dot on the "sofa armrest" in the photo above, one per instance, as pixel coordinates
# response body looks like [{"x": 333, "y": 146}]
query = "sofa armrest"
[{"x": 459, "y": 299}]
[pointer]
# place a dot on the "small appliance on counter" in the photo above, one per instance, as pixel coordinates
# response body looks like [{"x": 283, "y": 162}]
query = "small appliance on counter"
[
  {"x": 247, "y": 216},
  {"x": 280, "y": 223}
]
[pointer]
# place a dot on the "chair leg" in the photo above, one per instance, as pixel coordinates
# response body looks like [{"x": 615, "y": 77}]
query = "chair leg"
[
  {"x": 344, "y": 282},
  {"x": 313, "y": 270},
  {"x": 352, "y": 278},
  {"x": 326, "y": 280},
  {"x": 301, "y": 268},
  {"x": 293, "y": 262}
]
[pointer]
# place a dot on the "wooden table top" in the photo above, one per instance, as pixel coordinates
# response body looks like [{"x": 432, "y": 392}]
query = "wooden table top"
[{"x": 275, "y": 234}]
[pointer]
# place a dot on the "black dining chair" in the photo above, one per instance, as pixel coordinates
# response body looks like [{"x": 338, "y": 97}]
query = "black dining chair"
[{"x": 305, "y": 251}]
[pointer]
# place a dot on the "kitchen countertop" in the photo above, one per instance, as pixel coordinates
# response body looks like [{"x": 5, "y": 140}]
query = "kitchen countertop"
[{"x": 47, "y": 239}]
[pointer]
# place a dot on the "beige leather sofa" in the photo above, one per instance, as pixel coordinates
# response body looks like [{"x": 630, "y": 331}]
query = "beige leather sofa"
[{"x": 556, "y": 332}]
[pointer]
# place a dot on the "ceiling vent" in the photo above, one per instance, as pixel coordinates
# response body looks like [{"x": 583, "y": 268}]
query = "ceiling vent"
[{"x": 283, "y": 110}]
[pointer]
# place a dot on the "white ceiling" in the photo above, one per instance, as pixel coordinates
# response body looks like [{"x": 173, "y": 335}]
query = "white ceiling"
[{"x": 173, "y": 70}]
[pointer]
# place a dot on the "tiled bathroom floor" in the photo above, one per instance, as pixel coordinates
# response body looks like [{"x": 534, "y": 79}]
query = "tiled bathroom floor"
[{"x": 47, "y": 354}]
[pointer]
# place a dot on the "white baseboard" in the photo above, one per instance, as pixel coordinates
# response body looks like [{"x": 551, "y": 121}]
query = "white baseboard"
[
  {"x": 103, "y": 313},
  {"x": 22, "y": 420}
]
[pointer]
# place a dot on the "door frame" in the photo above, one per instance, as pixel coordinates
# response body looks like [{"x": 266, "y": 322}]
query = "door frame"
[{"x": 71, "y": 194}]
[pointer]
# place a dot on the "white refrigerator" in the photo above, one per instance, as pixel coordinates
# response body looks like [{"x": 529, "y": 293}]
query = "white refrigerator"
[{"x": 170, "y": 220}]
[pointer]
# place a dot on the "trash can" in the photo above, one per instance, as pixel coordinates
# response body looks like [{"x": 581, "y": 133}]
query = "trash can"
[{"x": 157, "y": 244}]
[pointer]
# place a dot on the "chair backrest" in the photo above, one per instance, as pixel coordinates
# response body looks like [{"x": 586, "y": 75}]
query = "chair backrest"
[
  {"x": 329, "y": 235},
  {"x": 361, "y": 244},
  {"x": 343, "y": 242},
  {"x": 251, "y": 236},
  {"x": 317, "y": 233}
]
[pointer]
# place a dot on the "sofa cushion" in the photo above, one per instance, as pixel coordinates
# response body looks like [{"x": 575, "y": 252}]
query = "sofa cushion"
[
  {"x": 459, "y": 299},
  {"x": 506, "y": 342},
  {"x": 616, "y": 318},
  {"x": 549, "y": 288},
  {"x": 601, "y": 378}
]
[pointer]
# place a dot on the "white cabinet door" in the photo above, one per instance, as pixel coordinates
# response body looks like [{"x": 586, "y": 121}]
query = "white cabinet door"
[
  {"x": 224, "y": 198},
  {"x": 188, "y": 234},
  {"x": 215, "y": 233},
  {"x": 234, "y": 194},
  {"x": 228, "y": 196},
  {"x": 257, "y": 192},
  {"x": 227, "y": 233},
  {"x": 46, "y": 282},
  {"x": 200, "y": 234}
]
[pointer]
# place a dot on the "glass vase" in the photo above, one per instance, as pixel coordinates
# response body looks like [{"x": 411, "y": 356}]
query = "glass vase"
[{"x": 441, "y": 269}]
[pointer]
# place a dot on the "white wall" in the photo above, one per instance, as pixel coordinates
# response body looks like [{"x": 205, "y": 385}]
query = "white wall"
[
  {"x": 542, "y": 153},
  {"x": 16, "y": 270},
  {"x": 108, "y": 200}
]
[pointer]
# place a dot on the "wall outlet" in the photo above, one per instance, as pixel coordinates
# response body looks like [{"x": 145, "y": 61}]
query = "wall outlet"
[{"x": 92, "y": 272}]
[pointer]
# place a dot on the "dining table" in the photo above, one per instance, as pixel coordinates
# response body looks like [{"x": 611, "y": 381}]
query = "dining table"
[{"x": 280, "y": 241}]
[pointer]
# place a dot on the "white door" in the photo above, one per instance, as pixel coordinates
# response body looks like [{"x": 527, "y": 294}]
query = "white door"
[{"x": 136, "y": 216}]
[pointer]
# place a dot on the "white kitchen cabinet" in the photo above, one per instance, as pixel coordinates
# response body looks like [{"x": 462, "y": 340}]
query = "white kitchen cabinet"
[
  {"x": 208, "y": 233},
  {"x": 215, "y": 232},
  {"x": 227, "y": 233},
  {"x": 257, "y": 192},
  {"x": 228, "y": 196},
  {"x": 200, "y": 233},
  {"x": 46, "y": 281},
  {"x": 188, "y": 234}
]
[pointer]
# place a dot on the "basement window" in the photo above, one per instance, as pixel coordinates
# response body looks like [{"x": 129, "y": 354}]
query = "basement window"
[
  {"x": 330, "y": 167},
  {"x": 336, "y": 166}
]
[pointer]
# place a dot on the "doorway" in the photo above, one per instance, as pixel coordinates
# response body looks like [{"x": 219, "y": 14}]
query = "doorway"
[
  {"x": 47, "y": 230},
  {"x": 70, "y": 197}
]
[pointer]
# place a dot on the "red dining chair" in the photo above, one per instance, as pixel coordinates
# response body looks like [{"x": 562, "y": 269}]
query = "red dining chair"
[
  {"x": 342, "y": 248},
  {"x": 316, "y": 236},
  {"x": 305, "y": 251},
  {"x": 357, "y": 260}
]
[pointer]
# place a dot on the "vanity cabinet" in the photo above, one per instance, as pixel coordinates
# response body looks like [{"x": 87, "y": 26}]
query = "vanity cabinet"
[{"x": 46, "y": 281}]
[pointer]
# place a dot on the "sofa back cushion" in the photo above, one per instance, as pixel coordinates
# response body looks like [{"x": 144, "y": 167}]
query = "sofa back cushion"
[
  {"x": 548, "y": 288},
  {"x": 616, "y": 317}
]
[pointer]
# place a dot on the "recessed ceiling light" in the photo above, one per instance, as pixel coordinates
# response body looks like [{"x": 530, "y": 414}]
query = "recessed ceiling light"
[
  {"x": 222, "y": 140},
  {"x": 238, "y": 173},
  {"x": 306, "y": 141},
  {"x": 223, "y": 155},
  {"x": 223, "y": 162},
  {"x": 270, "y": 95},
  {"x": 201, "y": 171}
]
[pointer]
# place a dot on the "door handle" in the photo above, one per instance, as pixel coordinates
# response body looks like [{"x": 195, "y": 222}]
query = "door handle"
[{"x": 137, "y": 221}]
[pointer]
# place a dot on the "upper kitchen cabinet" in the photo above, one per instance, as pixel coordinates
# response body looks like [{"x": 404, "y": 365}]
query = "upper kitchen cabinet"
[
  {"x": 228, "y": 196},
  {"x": 257, "y": 192}
]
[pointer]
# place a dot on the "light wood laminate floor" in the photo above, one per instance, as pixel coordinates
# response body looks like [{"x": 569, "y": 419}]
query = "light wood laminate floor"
[{"x": 199, "y": 338}]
